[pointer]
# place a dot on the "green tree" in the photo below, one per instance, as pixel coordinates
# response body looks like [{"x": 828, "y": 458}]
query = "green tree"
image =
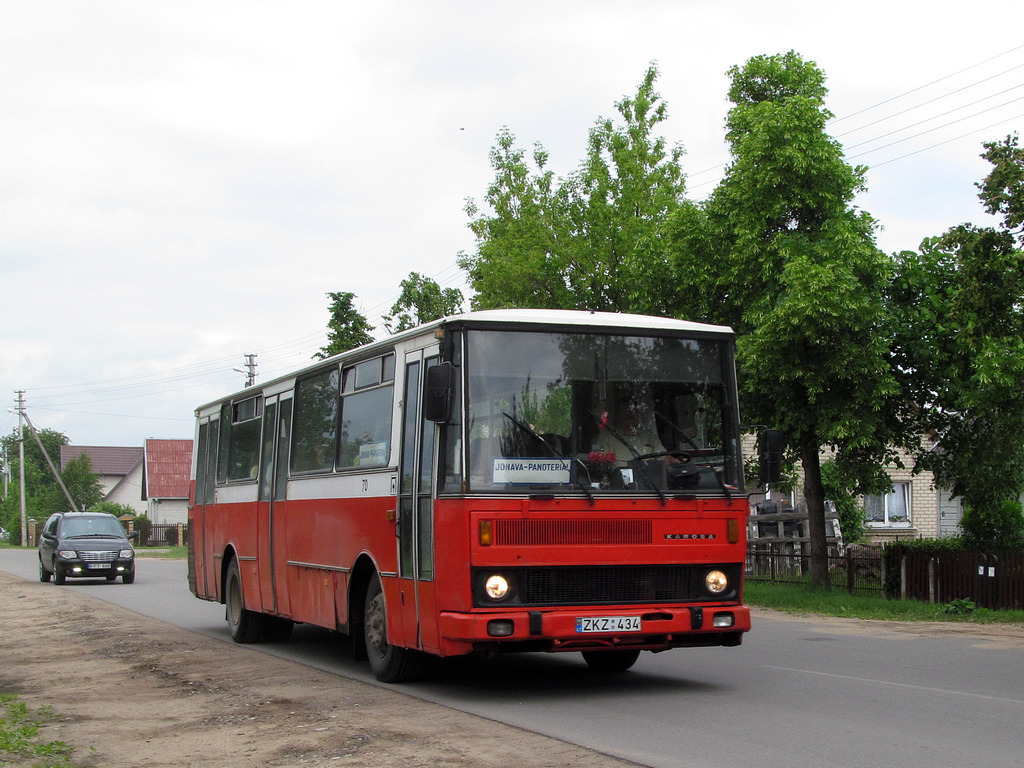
[
  {"x": 347, "y": 328},
  {"x": 959, "y": 348},
  {"x": 421, "y": 300},
  {"x": 593, "y": 240},
  {"x": 82, "y": 483},
  {"x": 779, "y": 252},
  {"x": 43, "y": 494},
  {"x": 113, "y": 508}
]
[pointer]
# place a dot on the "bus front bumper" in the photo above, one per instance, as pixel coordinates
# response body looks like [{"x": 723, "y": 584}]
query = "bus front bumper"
[{"x": 570, "y": 629}]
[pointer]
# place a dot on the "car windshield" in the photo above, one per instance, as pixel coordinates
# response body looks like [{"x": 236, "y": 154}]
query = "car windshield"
[
  {"x": 600, "y": 413},
  {"x": 74, "y": 527}
]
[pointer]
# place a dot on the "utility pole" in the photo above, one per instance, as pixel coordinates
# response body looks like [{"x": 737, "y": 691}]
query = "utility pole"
[
  {"x": 21, "y": 464},
  {"x": 249, "y": 370}
]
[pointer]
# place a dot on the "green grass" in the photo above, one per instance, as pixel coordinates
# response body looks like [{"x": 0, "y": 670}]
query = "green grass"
[
  {"x": 168, "y": 553},
  {"x": 805, "y": 599},
  {"x": 19, "y": 735}
]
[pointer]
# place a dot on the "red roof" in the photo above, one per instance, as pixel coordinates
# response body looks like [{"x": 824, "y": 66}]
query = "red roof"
[
  {"x": 167, "y": 469},
  {"x": 106, "y": 459}
]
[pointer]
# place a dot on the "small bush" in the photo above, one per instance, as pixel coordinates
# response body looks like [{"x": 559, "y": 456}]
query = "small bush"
[{"x": 959, "y": 607}]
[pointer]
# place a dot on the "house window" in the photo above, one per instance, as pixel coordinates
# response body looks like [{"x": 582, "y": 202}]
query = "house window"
[{"x": 891, "y": 509}]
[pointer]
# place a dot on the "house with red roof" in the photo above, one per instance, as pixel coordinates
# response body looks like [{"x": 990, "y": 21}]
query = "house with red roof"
[
  {"x": 119, "y": 469},
  {"x": 153, "y": 480},
  {"x": 167, "y": 466}
]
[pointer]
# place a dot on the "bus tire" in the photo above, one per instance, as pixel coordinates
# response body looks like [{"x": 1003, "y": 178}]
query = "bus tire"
[
  {"x": 388, "y": 663},
  {"x": 610, "y": 661},
  {"x": 246, "y": 626}
]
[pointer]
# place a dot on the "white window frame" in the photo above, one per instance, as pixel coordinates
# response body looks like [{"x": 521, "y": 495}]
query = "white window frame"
[{"x": 896, "y": 508}]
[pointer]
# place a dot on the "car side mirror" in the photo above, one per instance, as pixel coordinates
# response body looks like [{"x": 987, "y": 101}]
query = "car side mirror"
[
  {"x": 439, "y": 393},
  {"x": 770, "y": 446}
]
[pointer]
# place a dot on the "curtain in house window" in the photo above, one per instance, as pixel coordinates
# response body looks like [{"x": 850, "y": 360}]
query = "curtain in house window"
[{"x": 888, "y": 509}]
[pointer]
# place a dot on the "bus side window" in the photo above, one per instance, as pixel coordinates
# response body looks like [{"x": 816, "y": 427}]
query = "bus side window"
[{"x": 316, "y": 422}]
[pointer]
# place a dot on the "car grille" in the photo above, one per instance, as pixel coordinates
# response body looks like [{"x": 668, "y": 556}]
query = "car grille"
[{"x": 98, "y": 557}]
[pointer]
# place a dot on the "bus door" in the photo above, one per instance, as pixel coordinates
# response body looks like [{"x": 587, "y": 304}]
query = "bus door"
[
  {"x": 277, "y": 416},
  {"x": 202, "y": 568},
  {"x": 416, "y": 513}
]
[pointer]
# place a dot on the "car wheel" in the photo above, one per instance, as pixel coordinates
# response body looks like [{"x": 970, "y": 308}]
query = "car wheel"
[
  {"x": 58, "y": 575},
  {"x": 44, "y": 575},
  {"x": 128, "y": 577}
]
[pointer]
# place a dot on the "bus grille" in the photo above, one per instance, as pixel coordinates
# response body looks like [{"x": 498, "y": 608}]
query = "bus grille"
[
  {"x": 568, "y": 533},
  {"x": 600, "y": 585}
]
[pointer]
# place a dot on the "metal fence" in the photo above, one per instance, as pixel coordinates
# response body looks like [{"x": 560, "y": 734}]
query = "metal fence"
[
  {"x": 988, "y": 579},
  {"x": 161, "y": 535},
  {"x": 859, "y": 570}
]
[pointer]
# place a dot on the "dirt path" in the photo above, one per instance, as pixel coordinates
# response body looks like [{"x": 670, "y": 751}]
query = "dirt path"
[{"x": 134, "y": 691}]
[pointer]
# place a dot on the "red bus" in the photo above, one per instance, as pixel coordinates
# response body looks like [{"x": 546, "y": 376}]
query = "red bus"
[{"x": 497, "y": 481}]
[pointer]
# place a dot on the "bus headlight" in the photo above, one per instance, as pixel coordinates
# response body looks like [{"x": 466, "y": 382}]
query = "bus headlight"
[
  {"x": 716, "y": 582},
  {"x": 496, "y": 587}
]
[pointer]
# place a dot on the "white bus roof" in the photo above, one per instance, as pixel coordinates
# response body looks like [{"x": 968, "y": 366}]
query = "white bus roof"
[
  {"x": 562, "y": 318},
  {"x": 585, "y": 318}
]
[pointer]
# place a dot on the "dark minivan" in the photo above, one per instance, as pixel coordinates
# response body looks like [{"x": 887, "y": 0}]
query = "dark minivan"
[{"x": 89, "y": 544}]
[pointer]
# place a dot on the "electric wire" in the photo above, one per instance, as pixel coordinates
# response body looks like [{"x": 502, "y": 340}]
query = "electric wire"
[{"x": 293, "y": 353}]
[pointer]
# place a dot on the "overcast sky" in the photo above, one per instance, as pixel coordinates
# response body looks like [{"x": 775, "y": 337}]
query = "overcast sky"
[{"x": 182, "y": 183}]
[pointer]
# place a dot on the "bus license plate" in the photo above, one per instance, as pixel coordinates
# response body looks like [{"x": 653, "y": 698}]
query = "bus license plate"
[{"x": 608, "y": 624}]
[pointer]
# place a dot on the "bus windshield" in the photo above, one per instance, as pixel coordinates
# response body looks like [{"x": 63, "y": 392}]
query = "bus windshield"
[{"x": 600, "y": 414}]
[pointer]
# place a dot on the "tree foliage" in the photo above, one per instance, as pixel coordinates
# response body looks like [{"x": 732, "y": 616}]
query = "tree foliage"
[
  {"x": 592, "y": 240},
  {"x": 422, "y": 300},
  {"x": 43, "y": 495},
  {"x": 959, "y": 349},
  {"x": 347, "y": 327},
  {"x": 783, "y": 256}
]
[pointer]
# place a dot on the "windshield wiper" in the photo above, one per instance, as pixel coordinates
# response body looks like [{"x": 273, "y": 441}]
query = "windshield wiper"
[
  {"x": 698, "y": 451},
  {"x": 555, "y": 453},
  {"x": 603, "y": 424}
]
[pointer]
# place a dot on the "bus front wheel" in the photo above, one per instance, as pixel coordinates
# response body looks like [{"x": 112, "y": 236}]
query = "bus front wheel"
[
  {"x": 389, "y": 663},
  {"x": 246, "y": 626}
]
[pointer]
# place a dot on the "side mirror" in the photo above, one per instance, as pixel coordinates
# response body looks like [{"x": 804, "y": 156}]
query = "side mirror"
[
  {"x": 769, "y": 453},
  {"x": 439, "y": 393}
]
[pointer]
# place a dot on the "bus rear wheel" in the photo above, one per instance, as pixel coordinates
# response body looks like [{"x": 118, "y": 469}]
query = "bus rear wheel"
[
  {"x": 610, "y": 661},
  {"x": 389, "y": 663},
  {"x": 246, "y": 626}
]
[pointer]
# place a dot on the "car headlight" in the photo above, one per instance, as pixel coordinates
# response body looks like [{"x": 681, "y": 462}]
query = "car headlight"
[
  {"x": 716, "y": 582},
  {"x": 125, "y": 554},
  {"x": 496, "y": 587},
  {"x": 67, "y": 554}
]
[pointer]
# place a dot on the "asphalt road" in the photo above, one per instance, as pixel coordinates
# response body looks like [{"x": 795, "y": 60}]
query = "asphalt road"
[{"x": 797, "y": 693}]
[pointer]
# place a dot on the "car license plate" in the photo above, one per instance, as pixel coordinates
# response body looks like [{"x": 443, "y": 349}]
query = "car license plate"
[
  {"x": 608, "y": 624},
  {"x": 98, "y": 566}
]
